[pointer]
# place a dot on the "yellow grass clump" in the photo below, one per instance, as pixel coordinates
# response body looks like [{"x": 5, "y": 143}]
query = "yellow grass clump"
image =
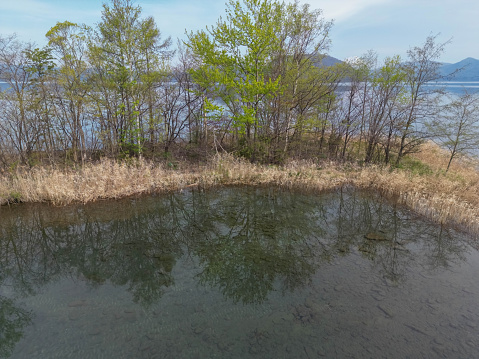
[{"x": 451, "y": 197}]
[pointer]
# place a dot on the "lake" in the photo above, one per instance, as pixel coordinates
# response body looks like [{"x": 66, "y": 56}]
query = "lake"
[
  {"x": 234, "y": 273},
  {"x": 456, "y": 87},
  {"x": 448, "y": 87},
  {"x": 4, "y": 86}
]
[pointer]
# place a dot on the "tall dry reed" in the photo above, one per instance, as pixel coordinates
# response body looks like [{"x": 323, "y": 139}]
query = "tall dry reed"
[{"x": 451, "y": 197}]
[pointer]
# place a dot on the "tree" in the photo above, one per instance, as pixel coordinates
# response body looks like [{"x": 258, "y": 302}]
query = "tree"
[
  {"x": 352, "y": 106},
  {"x": 264, "y": 64},
  {"x": 193, "y": 96},
  {"x": 422, "y": 67},
  {"x": 387, "y": 87},
  {"x": 458, "y": 127},
  {"x": 305, "y": 82},
  {"x": 127, "y": 55},
  {"x": 68, "y": 42},
  {"x": 40, "y": 66},
  {"x": 235, "y": 60},
  {"x": 18, "y": 129}
]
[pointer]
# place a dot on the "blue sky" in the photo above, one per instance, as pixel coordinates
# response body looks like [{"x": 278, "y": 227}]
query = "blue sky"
[{"x": 387, "y": 26}]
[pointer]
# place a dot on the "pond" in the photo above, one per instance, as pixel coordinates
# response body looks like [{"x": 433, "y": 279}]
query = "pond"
[{"x": 235, "y": 273}]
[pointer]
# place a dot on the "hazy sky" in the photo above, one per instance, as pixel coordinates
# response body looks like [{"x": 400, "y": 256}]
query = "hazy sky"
[{"x": 387, "y": 26}]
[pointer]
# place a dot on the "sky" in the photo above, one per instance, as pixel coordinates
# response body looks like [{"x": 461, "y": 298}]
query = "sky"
[{"x": 389, "y": 27}]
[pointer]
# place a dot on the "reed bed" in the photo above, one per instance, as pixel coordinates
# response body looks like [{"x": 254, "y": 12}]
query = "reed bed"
[{"x": 451, "y": 197}]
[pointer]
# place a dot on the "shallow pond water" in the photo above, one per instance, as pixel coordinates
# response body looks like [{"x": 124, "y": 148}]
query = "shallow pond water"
[{"x": 235, "y": 273}]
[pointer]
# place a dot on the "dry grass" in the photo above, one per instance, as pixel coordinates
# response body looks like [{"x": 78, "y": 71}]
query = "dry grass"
[{"x": 446, "y": 198}]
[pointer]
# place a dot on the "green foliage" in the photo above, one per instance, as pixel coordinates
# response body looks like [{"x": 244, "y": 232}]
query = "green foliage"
[
  {"x": 414, "y": 166},
  {"x": 235, "y": 57},
  {"x": 15, "y": 197},
  {"x": 390, "y": 73},
  {"x": 212, "y": 111},
  {"x": 245, "y": 150},
  {"x": 40, "y": 62},
  {"x": 129, "y": 60},
  {"x": 13, "y": 166}
]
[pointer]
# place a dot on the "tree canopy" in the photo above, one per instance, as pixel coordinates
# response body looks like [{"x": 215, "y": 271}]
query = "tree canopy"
[{"x": 257, "y": 83}]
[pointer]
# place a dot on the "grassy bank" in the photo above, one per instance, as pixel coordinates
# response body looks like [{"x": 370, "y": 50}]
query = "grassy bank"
[{"x": 421, "y": 184}]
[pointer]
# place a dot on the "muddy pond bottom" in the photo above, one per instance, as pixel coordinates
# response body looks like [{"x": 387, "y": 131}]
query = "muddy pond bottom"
[{"x": 235, "y": 273}]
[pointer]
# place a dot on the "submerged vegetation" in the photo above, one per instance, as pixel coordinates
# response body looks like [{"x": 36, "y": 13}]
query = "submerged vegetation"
[{"x": 112, "y": 111}]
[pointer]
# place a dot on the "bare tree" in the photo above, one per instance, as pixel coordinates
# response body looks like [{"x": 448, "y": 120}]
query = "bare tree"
[
  {"x": 16, "y": 123},
  {"x": 458, "y": 127},
  {"x": 387, "y": 86},
  {"x": 422, "y": 67}
]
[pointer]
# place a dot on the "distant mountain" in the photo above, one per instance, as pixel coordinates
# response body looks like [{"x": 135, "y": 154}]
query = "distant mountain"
[
  {"x": 330, "y": 61},
  {"x": 465, "y": 70},
  {"x": 324, "y": 60}
]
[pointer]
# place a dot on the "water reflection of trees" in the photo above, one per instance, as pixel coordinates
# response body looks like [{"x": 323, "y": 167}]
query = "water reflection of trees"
[
  {"x": 13, "y": 320},
  {"x": 409, "y": 238},
  {"x": 135, "y": 249},
  {"x": 444, "y": 248},
  {"x": 248, "y": 243}
]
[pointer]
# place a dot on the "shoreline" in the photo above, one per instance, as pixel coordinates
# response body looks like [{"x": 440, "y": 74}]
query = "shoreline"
[{"x": 448, "y": 198}]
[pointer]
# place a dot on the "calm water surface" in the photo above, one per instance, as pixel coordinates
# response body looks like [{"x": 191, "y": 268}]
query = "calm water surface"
[{"x": 235, "y": 273}]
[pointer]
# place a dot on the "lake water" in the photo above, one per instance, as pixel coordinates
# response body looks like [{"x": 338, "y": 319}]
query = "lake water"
[
  {"x": 4, "y": 86},
  {"x": 456, "y": 87},
  {"x": 449, "y": 86},
  {"x": 235, "y": 273}
]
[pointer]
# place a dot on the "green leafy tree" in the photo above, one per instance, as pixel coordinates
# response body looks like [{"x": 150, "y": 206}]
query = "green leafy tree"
[
  {"x": 68, "y": 42},
  {"x": 235, "y": 60},
  {"x": 298, "y": 62},
  {"x": 41, "y": 67},
  {"x": 126, "y": 53},
  {"x": 263, "y": 64}
]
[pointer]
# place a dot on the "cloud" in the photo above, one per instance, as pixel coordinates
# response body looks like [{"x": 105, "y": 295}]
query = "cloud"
[
  {"x": 388, "y": 26},
  {"x": 342, "y": 10},
  {"x": 49, "y": 10},
  {"x": 31, "y": 19}
]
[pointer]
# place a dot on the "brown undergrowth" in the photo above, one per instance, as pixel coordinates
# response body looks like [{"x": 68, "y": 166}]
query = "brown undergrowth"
[{"x": 451, "y": 197}]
